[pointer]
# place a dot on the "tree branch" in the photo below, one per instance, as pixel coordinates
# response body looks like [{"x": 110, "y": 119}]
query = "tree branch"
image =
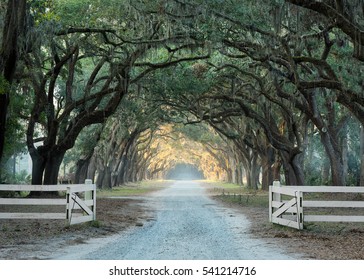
[{"x": 341, "y": 21}]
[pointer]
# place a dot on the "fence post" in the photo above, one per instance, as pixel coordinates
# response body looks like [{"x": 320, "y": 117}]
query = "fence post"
[
  {"x": 91, "y": 195},
  {"x": 88, "y": 194},
  {"x": 270, "y": 203},
  {"x": 68, "y": 207},
  {"x": 299, "y": 196},
  {"x": 277, "y": 196},
  {"x": 273, "y": 196}
]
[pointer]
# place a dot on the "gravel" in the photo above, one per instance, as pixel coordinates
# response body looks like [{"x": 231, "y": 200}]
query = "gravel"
[{"x": 187, "y": 225}]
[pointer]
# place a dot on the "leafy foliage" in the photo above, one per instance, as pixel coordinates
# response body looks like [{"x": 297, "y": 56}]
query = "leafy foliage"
[
  {"x": 4, "y": 85},
  {"x": 248, "y": 77}
]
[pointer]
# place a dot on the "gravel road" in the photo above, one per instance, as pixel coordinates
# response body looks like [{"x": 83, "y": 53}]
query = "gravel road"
[{"x": 188, "y": 225}]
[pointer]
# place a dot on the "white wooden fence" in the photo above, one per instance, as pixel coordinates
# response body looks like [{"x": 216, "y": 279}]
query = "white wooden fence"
[
  {"x": 79, "y": 201},
  {"x": 291, "y": 212}
]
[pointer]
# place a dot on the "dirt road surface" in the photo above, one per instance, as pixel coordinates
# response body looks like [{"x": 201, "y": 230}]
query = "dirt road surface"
[{"x": 187, "y": 225}]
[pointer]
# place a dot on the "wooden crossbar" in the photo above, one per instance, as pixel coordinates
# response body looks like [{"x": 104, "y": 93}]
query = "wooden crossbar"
[
  {"x": 82, "y": 204},
  {"x": 32, "y": 201},
  {"x": 35, "y": 188},
  {"x": 331, "y": 218},
  {"x": 334, "y": 204},
  {"x": 325, "y": 189},
  {"x": 285, "y": 207},
  {"x": 47, "y": 216}
]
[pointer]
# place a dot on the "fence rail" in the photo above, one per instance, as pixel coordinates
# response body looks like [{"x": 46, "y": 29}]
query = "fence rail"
[
  {"x": 291, "y": 212},
  {"x": 79, "y": 202}
]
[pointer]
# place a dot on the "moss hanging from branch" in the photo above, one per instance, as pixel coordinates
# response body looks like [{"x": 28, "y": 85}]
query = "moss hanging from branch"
[{"x": 4, "y": 85}]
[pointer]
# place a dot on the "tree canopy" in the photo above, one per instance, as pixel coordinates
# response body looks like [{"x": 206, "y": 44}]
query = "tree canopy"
[{"x": 246, "y": 91}]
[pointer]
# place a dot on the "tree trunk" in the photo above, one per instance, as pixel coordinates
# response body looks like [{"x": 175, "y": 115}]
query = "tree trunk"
[
  {"x": 233, "y": 170},
  {"x": 239, "y": 174},
  {"x": 267, "y": 173},
  {"x": 236, "y": 176},
  {"x": 114, "y": 178},
  {"x": 289, "y": 176},
  {"x": 46, "y": 166},
  {"x": 336, "y": 162},
  {"x": 106, "y": 182},
  {"x": 248, "y": 176},
  {"x": 45, "y": 170},
  {"x": 120, "y": 175},
  {"x": 82, "y": 167},
  {"x": 229, "y": 175},
  {"x": 325, "y": 172},
  {"x": 52, "y": 167},
  {"x": 361, "y": 156},
  {"x": 133, "y": 165},
  {"x": 276, "y": 169},
  {"x": 337, "y": 169},
  {"x": 38, "y": 167},
  {"x": 142, "y": 174},
  {"x": 254, "y": 173},
  {"x": 14, "y": 28},
  {"x": 361, "y": 182},
  {"x": 100, "y": 178},
  {"x": 4, "y": 102},
  {"x": 297, "y": 164},
  {"x": 125, "y": 170},
  {"x": 91, "y": 172},
  {"x": 293, "y": 171},
  {"x": 345, "y": 159},
  {"x": 267, "y": 167}
]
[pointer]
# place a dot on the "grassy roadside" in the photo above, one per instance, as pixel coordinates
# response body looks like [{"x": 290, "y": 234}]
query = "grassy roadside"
[
  {"x": 134, "y": 189},
  {"x": 235, "y": 194}
]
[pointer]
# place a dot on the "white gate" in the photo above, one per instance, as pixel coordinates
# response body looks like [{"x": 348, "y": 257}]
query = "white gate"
[
  {"x": 291, "y": 212},
  {"x": 80, "y": 202},
  {"x": 87, "y": 203},
  {"x": 287, "y": 213}
]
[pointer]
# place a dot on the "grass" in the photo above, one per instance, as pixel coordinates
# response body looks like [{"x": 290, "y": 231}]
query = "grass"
[
  {"x": 248, "y": 200},
  {"x": 238, "y": 194},
  {"x": 95, "y": 224},
  {"x": 134, "y": 189}
]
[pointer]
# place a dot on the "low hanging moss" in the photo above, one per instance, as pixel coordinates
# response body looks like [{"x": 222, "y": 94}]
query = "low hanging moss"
[{"x": 4, "y": 85}]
